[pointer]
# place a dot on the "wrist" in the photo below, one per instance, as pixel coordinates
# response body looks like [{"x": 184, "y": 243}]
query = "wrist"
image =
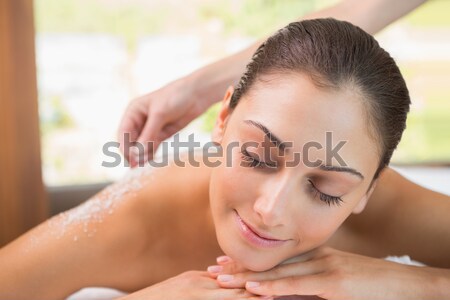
[
  {"x": 208, "y": 86},
  {"x": 212, "y": 81},
  {"x": 199, "y": 83}
]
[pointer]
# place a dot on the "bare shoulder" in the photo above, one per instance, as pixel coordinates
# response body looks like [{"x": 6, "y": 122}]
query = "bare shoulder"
[
  {"x": 116, "y": 238},
  {"x": 174, "y": 204},
  {"x": 401, "y": 218},
  {"x": 173, "y": 182}
]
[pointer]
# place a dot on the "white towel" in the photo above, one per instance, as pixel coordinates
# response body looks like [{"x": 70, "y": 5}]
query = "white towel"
[
  {"x": 96, "y": 293},
  {"x": 405, "y": 259}
]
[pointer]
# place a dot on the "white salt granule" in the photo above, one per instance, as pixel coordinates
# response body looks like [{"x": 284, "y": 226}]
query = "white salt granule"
[
  {"x": 97, "y": 208},
  {"x": 93, "y": 211}
]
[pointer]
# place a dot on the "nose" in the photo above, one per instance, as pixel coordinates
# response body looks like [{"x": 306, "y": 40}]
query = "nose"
[{"x": 272, "y": 204}]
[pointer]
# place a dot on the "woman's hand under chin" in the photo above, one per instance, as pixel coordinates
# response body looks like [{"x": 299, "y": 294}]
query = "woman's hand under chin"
[
  {"x": 191, "y": 285},
  {"x": 335, "y": 275}
]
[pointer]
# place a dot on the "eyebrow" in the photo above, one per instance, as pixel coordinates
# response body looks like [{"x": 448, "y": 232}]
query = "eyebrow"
[
  {"x": 282, "y": 146},
  {"x": 269, "y": 134},
  {"x": 341, "y": 169}
]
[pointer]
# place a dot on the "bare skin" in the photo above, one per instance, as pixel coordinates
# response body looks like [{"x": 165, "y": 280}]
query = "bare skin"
[
  {"x": 163, "y": 231},
  {"x": 159, "y": 114}
]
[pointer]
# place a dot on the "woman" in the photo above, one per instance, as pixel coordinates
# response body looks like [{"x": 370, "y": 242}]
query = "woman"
[
  {"x": 272, "y": 213},
  {"x": 159, "y": 114}
]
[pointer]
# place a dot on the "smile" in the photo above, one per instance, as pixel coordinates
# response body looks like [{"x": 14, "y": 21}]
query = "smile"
[{"x": 255, "y": 238}]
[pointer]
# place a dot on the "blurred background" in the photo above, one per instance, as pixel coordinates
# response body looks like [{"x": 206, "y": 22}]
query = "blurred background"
[
  {"x": 84, "y": 60},
  {"x": 94, "y": 56}
]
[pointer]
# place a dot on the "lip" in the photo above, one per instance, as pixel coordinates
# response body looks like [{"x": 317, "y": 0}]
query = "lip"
[{"x": 254, "y": 237}]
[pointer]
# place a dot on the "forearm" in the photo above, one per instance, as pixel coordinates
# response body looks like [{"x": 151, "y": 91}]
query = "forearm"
[
  {"x": 415, "y": 222},
  {"x": 209, "y": 83},
  {"x": 436, "y": 282},
  {"x": 30, "y": 267},
  {"x": 372, "y": 16},
  {"x": 90, "y": 245}
]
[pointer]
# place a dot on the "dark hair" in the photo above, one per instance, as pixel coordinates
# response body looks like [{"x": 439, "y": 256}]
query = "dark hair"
[{"x": 335, "y": 54}]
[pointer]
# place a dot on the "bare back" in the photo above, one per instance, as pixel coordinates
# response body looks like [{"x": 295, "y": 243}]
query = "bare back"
[{"x": 162, "y": 226}]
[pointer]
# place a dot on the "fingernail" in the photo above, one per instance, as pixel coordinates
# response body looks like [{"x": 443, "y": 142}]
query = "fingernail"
[
  {"x": 215, "y": 269},
  {"x": 225, "y": 278},
  {"x": 251, "y": 284},
  {"x": 223, "y": 259}
]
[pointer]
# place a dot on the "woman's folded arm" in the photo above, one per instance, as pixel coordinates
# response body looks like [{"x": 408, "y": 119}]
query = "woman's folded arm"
[
  {"x": 401, "y": 218},
  {"x": 98, "y": 243}
]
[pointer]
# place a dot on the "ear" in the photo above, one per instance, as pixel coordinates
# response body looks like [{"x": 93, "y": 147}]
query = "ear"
[
  {"x": 222, "y": 118},
  {"x": 363, "y": 202}
]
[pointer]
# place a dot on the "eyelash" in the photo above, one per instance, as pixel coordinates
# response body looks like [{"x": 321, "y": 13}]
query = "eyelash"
[
  {"x": 328, "y": 199},
  {"x": 250, "y": 161},
  {"x": 254, "y": 163}
]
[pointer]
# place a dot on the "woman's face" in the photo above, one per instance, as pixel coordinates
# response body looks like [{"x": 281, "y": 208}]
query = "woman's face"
[{"x": 264, "y": 215}]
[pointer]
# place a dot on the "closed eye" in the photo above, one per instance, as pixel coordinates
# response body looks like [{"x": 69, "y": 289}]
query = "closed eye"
[
  {"x": 250, "y": 161},
  {"x": 328, "y": 199}
]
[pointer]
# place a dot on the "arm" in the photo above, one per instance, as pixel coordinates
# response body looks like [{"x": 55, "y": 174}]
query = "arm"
[
  {"x": 332, "y": 274},
  {"x": 131, "y": 235},
  {"x": 372, "y": 16},
  {"x": 160, "y": 114},
  {"x": 402, "y": 218},
  {"x": 99, "y": 243}
]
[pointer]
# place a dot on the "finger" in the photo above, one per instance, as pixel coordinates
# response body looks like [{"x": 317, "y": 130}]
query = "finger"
[
  {"x": 215, "y": 291},
  {"x": 230, "y": 266},
  {"x": 214, "y": 271},
  {"x": 149, "y": 135},
  {"x": 170, "y": 129},
  {"x": 167, "y": 131},
  {"x": 131, "y": 123},
  {"x": 221, "y": 260},
  {"x": 218, "y": 293},
  {"x": 130, "y": 126},
  {"x": 126, "y": 146},
  {"x": 281, "y": 271},
  {"x": 307, "y": 285}
]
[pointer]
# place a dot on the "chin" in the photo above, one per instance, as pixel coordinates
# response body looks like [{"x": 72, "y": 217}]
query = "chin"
[
  {"x": 259, "y": 266},
  {"x": 249, "y": 258},
  {"x": 252, "y": 262}
]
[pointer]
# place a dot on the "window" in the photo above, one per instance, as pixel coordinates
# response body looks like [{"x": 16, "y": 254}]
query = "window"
[{"x": 94, "y": 56}]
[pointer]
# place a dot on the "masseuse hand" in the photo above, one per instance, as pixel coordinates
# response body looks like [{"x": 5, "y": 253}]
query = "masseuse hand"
[
  {"x": 334, "y": 275},
  {"x": 156, "y": 116},
  {"x": 191, "y": 285}
]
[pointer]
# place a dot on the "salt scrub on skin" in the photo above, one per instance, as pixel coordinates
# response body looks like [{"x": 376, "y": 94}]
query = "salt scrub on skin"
[
  {"x": 93, "y": 211},
  {"x": 96, "y": 209}
]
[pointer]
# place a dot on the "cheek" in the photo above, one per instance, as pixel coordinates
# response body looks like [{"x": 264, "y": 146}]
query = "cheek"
[
  {"x": 317, "y": 226},
  {"x": 235, "y": 185}
]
